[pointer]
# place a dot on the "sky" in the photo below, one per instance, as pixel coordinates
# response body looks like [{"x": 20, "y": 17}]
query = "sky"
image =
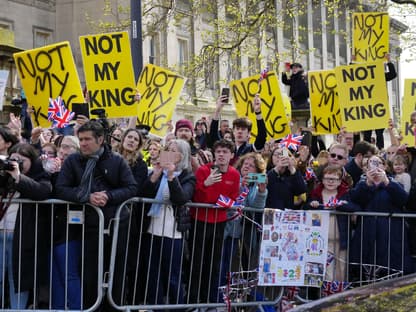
[{"x": 407, "y": 69}]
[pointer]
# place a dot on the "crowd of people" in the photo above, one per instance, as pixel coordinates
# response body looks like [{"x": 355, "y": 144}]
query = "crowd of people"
[{"x": 186, "y": 253}]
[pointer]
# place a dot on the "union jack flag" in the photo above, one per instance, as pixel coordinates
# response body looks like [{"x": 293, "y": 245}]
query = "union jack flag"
[
  {"x": 333, "y": 287},
  {"x": 309, "y": 174},
  {"x": 291, "y": 141},
  {"x": 263, "y": 74},
  {"x": 58, "y": 114},
  {"x": 242, "y": 196},
  {"x": 225, "y": 202},
  {"x": 291, "y": 217},
  {"x": 332, "y": 203}
]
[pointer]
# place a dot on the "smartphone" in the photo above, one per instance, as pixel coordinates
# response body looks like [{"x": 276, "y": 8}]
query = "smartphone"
[
  {"x": 285, "y": 152},
  {"x": 169, "y": 157},
  {"x": 81, "y": 109},
  {"x": 373, "y": 164},
  {"x": 215, "y": 168},
  {"x": 256, "y": 178},
  {"x": 226, "y": 92}
]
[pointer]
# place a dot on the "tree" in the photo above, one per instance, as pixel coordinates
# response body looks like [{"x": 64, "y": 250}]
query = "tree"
[{"x": 231, "y": 29}]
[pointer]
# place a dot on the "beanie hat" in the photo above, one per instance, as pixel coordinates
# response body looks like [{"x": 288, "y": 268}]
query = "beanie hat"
[{"x": 184, "y": 123}]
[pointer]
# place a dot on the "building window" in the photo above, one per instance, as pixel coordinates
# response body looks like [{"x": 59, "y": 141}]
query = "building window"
[
  {"x": 41, "y": 37},
  {"x": 252, "y": 66},
  {"x": 183, "y": 54},
  {"x": 154, "y": 50}
]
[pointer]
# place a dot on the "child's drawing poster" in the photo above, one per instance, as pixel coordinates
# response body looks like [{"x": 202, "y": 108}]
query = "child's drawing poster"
[{"x": 293, "y": 248}]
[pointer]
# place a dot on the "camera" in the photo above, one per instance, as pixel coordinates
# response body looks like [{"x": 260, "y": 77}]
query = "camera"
[
  {"x": 102, "y": 119},
  {"x": 6, "y": 164}
]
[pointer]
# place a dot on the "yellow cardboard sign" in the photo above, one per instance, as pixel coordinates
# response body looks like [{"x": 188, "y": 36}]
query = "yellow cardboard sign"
[
  {"x": 370, "y": 36},
  {"x": 408, "y": 107},
  {"x": 48, "y": 72},
  {"x": 323, "y": 96},
  {"x": 363, "y": 96},
  {"x": 160, "y": 90},
  {"x": 109, "y": 73},
  {"x": 272, "y": 107}
]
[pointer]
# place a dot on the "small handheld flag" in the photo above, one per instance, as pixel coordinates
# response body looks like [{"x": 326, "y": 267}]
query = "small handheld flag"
[{"x": 291, "y": 141}]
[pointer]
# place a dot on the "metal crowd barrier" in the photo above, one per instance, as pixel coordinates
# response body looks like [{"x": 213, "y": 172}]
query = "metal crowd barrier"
[
  {"x": 48, "y": 252},
  {"x": 157, "y": 276},
  {"x": 143, "y": 274},
  {"x": 383, "y": 252},
  {"x": 137, "y": 270}
]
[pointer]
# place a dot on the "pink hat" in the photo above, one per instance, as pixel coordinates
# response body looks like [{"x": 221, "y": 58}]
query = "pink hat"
[{"x": 184, "y": 123}]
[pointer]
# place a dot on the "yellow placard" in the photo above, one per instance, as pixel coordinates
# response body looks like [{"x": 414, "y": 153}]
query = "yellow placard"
[
  {"x": 109, "y": 73},
  {"x": 408, "y": 107},
  {"x": 363, "y": 96},
  {"x": 272, "y": 107},
  {"x": 160, "y": 90},
  {"x": 370, "y": 36},
  {"x": 323, "y": 96},
  {"x": 45, "y": 73}
]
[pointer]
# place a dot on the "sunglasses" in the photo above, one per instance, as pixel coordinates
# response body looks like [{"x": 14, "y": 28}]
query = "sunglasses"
[{"x": 339, "y": 157}]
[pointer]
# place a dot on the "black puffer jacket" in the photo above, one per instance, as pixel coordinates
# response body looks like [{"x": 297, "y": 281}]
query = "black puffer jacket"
[
  {"x": 32, "y": 229},
  {"x": 111, "y": 174}
]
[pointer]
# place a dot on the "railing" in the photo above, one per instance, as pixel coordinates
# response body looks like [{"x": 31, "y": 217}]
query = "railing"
[{"x": 143, "y": 263}]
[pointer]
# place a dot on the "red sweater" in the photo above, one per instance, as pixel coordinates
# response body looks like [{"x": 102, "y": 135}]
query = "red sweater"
[{"x": 229, "y": 186}]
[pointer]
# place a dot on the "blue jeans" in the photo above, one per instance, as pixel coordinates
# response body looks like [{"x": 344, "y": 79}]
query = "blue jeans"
[
  {"x": 168, "y": 253},
  {"x": 71, "y": 266},
  {"x": 17, "y": 300}
]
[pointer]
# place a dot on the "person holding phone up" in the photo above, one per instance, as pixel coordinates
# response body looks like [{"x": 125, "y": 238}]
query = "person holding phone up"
[
  {"x": 171, "y": 180},
  {"x": 207, "y": 233},
  {"x": 241, "y": 129},
  {"x": 380, "y": 240},
  {"x": 284, "y": 180}
]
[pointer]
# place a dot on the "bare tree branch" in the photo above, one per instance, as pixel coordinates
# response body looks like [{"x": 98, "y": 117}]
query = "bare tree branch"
[{"x": 412, "y": 2}]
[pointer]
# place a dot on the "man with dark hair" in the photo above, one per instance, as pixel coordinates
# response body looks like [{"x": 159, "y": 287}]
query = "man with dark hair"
[
  {"x": 241, "y": 129},
  {"x": 361, "y": 150},
  {"x": 207, "y": 234},
  {"x": 102, "y": 178}
]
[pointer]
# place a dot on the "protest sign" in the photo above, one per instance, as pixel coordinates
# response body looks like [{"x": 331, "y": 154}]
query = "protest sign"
[
  {"x": 323, "y": 96},
  {"x": 272, "y": 107},
  {"x": 109, "y": 73},
  {"x": 294, "y": 248},
  {"x": 363, "y": 96},
  {"x": 160, "y": 90},
  {"x": 408, "y": 107},
  {"x": 48, "y": 72},
  {"x": 370, "y": 36},
  {"x": 4, "y": 74}
]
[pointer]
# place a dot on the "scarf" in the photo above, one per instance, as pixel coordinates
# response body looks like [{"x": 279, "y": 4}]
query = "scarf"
[
  {"x": 86, "y": 180},
  {"x": 157, "y": 207}
]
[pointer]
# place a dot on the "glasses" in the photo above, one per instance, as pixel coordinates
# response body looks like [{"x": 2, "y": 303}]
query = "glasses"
[
  {"x": 331, "y": 180},
  {"x": 339, "y": 157}
]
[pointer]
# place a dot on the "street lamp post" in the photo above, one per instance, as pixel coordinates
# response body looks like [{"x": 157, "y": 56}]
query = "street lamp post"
[{"x": 136, "y": 36}]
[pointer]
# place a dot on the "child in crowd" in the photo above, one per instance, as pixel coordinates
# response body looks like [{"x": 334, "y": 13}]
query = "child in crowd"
[
  {"x": 399, "y": 168},
  {"x": 332, "y": 194}
]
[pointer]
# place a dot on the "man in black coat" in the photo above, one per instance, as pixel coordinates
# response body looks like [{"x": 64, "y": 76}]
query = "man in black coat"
[
  {"x": 99, "y": 177},
  {"x": 298, "y": 83}
]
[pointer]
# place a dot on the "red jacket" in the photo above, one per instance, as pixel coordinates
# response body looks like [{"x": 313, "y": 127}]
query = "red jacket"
[{"x": 229, "y": 186}]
